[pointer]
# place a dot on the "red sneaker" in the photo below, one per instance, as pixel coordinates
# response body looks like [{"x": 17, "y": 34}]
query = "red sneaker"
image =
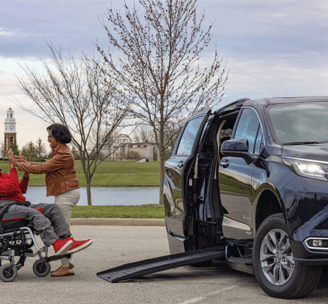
[
  {"x": 79, "y": 245},
  {"x": 61, "y": 247}
]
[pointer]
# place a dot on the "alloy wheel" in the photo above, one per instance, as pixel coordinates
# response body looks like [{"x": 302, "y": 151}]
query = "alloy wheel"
[{"x": 276, "y": 257}]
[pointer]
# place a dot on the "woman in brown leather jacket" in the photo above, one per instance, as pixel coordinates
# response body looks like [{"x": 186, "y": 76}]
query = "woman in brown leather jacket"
[{"x": 61, "y": 180}]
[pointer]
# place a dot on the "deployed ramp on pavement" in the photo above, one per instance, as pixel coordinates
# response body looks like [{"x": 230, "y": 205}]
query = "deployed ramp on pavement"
[{"x": 137, "y": 269}]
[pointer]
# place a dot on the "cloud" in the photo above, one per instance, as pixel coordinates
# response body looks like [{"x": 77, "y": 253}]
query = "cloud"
[
  {"x": 69, "y": 24},
  {"x": 3, "y": 33},
  {"x": 275, "y": 78},
  {"x": 266, "y": 29}
]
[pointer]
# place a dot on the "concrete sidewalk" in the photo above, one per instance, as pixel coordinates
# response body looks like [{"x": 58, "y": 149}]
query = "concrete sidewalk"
[{"x": 117, "y": 222}]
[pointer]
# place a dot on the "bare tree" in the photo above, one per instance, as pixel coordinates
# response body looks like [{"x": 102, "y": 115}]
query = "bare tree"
[
  {"x": 171, "y": 134},
  {"x": 40, "y": 148},
  {"x": 159, "y": 47},
  {"x": 143, "y": 134},
  {"x": 77, "y": 94},
  {"x": 75, "y": 153},
  {"x": 134, "y": 155}
]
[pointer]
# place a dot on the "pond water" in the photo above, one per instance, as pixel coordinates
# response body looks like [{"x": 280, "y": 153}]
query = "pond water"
[{"x": 102, "y": 196}]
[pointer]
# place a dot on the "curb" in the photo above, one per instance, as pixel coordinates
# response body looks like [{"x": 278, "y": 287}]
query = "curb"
[{"x": 117, "y": 222}]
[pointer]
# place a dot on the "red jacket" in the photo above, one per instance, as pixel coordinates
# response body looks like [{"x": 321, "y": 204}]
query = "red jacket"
[{"x": 10, "y": 188}]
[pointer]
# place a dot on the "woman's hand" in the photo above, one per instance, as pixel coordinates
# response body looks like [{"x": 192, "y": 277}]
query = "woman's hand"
[
  {"x": 11, "y": 158},
  {"x": 21, "y": 159}
]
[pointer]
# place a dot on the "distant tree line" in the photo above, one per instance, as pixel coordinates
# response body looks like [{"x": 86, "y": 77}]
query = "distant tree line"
[{"x": 35, "y": 152}]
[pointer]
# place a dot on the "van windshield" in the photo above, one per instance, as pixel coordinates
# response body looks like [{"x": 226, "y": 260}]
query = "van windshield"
[{"x": 300, "y": 123}]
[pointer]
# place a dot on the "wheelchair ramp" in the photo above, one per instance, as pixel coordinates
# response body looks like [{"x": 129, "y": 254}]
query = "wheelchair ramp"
[{"x": 137, "y": 269}]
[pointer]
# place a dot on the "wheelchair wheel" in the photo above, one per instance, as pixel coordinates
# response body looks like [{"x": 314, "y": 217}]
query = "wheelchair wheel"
[
  {"x": 8, "y": 273},
  {"x": 41, "y": 269}
]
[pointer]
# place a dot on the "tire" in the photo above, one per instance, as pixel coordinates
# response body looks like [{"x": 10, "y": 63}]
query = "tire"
[
  {"x": 276, "y": 271},
  {"x": 8, "y": 273},
  {"x": 41, "y": 269}
]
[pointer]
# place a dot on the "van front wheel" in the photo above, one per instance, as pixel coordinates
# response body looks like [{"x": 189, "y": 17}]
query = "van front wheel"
[{"x": 276, "y": 271}]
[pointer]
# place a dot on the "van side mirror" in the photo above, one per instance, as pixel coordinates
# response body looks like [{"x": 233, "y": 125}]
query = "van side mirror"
[{"x": 237, "y": 148}]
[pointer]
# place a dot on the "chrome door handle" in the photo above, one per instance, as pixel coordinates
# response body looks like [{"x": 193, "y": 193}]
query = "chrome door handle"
[{"x": 224, "y": 163}]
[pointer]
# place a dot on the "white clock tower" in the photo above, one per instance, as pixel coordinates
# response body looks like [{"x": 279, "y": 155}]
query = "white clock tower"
[{"x": 10, "y": 129}]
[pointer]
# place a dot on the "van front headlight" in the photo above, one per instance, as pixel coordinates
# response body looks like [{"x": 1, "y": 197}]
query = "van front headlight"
[{"x": 307, "y": 168}]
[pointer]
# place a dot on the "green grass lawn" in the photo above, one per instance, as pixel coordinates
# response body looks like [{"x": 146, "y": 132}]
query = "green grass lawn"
[
  {"x": 108, "y": 174},
  {"x": 123, "y": 174},
  {"x": 155, "y": 212},
  {"x": 112, "y": 174}
]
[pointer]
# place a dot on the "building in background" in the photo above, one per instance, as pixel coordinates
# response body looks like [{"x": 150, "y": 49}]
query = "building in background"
[
  {"x": 10, "y": 134},
  {"x": 122, "y": 148},
  {"x": 134, "y": 151}
]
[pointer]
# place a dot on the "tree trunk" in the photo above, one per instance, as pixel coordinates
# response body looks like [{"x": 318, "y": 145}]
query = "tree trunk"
[
  {"x": 86, "y": 175},
  {"x": 89, "y": 192},
  {"x": 88, "y": 180}
]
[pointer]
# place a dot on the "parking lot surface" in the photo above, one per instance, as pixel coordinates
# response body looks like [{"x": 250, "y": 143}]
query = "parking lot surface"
[{"x": 117, "y": 245}]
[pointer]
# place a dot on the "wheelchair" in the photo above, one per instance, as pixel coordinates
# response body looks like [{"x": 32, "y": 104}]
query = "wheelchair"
[{"x": 17, "y": 240}]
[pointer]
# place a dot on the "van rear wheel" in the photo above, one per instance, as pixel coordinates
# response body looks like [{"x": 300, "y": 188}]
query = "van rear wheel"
[{"x": 276, "y": 271}]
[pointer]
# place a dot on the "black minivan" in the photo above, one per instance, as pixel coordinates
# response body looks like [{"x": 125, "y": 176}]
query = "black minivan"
[{"x": 253, "y": 177}]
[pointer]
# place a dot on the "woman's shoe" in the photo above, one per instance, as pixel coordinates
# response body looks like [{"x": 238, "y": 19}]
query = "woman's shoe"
[
  {"x": 62, "y": 272},
  {"x": 70, "y": 266}
]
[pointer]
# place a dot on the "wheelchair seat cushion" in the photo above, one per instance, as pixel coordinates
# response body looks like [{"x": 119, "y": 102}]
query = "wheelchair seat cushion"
[
  {"x": 13, "y": 220},
  {"x": 11, "y": 216}
]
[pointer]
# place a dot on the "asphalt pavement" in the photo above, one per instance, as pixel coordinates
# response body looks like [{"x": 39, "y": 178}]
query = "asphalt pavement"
[{"x": 117, "y": 245}]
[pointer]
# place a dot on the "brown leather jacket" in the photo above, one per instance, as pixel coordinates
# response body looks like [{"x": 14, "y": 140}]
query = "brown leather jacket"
[{"x": 59, "y": 170}]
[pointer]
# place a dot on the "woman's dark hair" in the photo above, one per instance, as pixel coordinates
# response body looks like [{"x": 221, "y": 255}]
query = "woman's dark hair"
[{"x": 60, "y": 133}]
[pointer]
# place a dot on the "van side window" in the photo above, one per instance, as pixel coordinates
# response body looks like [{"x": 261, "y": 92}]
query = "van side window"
[
  {"x": 258, "y": 141},
  {"x": 247, "y": 128},
  {"x": 188, "y": 137}
]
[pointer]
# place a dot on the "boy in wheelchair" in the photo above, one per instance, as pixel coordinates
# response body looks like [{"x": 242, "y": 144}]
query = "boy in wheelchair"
[{"x": 19, "y": 219}]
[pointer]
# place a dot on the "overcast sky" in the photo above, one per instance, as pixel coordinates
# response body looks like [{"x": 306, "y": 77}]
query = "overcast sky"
[{"x": 272, "y": 47}]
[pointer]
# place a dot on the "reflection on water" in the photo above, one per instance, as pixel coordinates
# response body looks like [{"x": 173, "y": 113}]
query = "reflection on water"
[{"x": 102, "y": 196}]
